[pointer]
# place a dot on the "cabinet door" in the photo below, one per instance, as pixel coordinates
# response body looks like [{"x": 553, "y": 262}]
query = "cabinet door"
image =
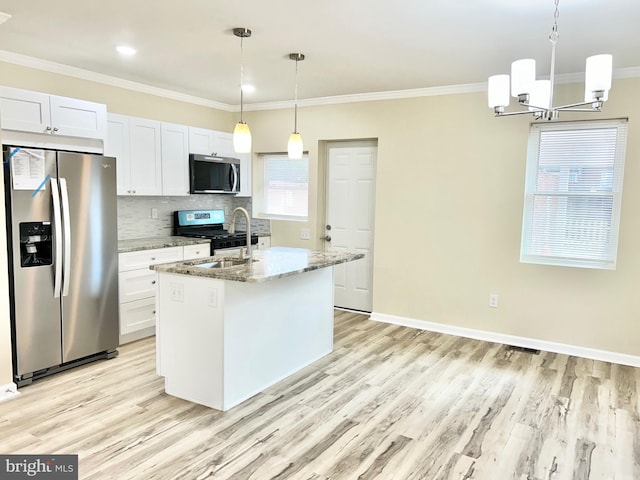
[
  {"x": 145, "y": 157},
  {"x": 223, "y": 144},
  {"x": 245, "y": 174},
  {"x": 136, "y": 285},
  {"x": 24, "y": 111},
  {"x": 201, "y": 141},
  {"x": 137, "y": 315},
  {"x": 78, "y": 118},
  {"x": 117, "y": 145},
  {"x": 175, "y": 159},
  {"x": 200, "y": 250}
]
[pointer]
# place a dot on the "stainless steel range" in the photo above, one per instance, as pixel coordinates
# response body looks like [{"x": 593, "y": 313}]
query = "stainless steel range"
[{"x": 209, "y": 224}]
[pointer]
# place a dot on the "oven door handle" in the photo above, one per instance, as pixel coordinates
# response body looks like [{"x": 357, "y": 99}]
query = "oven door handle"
[{"x": 234, "y": 171}]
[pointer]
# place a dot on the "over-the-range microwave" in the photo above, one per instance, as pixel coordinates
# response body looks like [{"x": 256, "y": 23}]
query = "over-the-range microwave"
[{"x": 209, "y": 174}]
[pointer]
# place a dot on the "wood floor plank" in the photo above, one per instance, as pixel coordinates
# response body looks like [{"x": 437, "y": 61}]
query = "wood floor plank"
[{"x": 389, "y": 402}]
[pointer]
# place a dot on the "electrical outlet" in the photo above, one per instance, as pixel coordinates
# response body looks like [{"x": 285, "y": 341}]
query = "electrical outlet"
[
  {"x": 154, "y": 213},
  {"x": 305, "y": 233},
  {"x": 177, "y": 292},
  {"x": 493, "y": 300}
]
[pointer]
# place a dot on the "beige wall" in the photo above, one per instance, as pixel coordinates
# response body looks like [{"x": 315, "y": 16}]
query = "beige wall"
[
  {"x": 118, "y": 100},
  {"x": 459, "y": 207}
]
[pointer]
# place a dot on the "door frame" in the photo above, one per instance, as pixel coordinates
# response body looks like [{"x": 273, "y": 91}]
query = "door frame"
[{"x": 323, "y": 184}]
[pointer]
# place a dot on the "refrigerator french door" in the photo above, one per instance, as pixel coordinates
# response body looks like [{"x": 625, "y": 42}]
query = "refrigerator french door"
[{"x": 61, "y": 225}]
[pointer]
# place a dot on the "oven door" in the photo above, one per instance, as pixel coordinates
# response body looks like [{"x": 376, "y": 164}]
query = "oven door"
[{"x": 213, "y": 174}]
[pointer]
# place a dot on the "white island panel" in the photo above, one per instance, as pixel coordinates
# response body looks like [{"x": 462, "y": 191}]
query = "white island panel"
[{"x": 221, "y": 342}]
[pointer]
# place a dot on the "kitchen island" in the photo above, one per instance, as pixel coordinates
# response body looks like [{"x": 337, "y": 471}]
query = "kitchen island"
[{"x": 225, "y": 334}]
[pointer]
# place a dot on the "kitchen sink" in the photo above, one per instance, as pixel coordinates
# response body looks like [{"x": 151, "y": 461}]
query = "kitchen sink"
[{"x": 224, "y": 263}]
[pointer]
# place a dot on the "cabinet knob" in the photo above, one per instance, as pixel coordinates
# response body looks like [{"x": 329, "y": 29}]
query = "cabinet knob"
[
  {"x": 48, "y": 129},
  {"x": 154, "y": 312},
  {"x": 55, "y": 129},
  {"x": 197, "y": 252},
  {"x": 153, "y": 282},
  {"x": 153, "y": 258},
  {"x": 133, "y": 191}
]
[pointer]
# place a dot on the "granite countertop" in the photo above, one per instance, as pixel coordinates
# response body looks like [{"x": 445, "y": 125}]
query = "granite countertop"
[
  {"x": 268, "y": 264},
  {"x": 135, "y": 244}
]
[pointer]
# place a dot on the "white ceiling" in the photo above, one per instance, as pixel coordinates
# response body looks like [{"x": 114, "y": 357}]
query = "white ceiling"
[{"x": 352, "y": 46}]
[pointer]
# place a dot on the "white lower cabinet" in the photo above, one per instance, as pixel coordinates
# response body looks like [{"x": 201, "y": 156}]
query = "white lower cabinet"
[{"x": 137, "y": 286}]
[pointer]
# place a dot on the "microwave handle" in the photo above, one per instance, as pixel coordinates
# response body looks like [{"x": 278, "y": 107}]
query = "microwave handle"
[{"x": 234, "y": 171}]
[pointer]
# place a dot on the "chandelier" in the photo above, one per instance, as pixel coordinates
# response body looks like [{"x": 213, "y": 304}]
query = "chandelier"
[{"x": 537, "y": 95}]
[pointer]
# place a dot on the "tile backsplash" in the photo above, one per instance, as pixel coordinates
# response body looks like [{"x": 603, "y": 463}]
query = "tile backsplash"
[{"x": 134, "y": 213}]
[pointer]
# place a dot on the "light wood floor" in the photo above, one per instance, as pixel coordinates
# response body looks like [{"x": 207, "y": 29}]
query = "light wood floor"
[{"x": 389, "y": 403}]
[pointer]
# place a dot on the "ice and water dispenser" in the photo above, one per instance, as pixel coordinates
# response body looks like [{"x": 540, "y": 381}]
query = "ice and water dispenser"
[{"x": 36, "y": 244}]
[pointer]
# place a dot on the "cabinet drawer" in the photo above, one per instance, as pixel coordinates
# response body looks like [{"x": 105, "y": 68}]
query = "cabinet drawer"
[
  {"x": 136, "y": 285},
  {"x": 144, "y": 258},
  {"x": 264, "y": 242},
  {"x": 197, "y": 251},
  {"x": 137, "y": 315}
]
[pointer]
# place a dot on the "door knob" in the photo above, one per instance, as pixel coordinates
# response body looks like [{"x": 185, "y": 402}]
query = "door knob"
[
  {"x": 328, "y": 227},
  {"x": 326, "y": 237}
]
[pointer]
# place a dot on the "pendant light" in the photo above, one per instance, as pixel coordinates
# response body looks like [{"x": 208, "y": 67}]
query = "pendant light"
[
  {"x": 537, "y": 95},
  {"x": 294, "y": 147},
  {"x": 242, "y": 134}
]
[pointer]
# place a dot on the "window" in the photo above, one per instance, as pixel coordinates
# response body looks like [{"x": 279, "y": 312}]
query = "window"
[
  {"x": 285, "y": 188},
  {"x": 573, "y": 191}
]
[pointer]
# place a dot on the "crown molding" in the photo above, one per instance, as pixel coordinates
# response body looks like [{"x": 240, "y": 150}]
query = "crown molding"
[
  {"x": 36, "y": 63},
  {"x": 52, "y": 67}
]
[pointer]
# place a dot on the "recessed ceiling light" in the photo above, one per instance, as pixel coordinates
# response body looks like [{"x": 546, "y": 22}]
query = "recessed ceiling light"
[
  {"x": 4, "y": 17},
  {"x": 246, "y": 88},
  {"x": 125, "y": 50}
]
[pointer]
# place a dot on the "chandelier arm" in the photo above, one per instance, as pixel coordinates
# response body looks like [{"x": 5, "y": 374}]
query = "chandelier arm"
[
  {"x": 509, "y": 114},
  {"x": 581, "y": 110},
  {"x": 573, "y": 105}
]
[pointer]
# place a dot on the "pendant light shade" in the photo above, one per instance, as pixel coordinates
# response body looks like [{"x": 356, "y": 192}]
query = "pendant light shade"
[
  {"x": 523, "y": 75},
  {"x": 242, "y": 134},
  {"x": 242, "y": 138},
  {"x": 295, "y": 146},
  {"x": 540, "y": 95},
  {"x": 499, "y": 91}
]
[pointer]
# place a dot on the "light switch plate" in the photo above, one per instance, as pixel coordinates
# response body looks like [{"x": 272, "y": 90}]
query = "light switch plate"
[{"x": 305, "y": 233}]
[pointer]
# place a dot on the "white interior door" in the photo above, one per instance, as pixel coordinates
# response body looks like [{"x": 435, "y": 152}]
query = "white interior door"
[{"x": 350, "y": 220}]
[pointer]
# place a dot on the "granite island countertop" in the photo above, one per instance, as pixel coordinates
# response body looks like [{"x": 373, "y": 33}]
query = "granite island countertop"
[
  {"x": 148, "y": 243},
  {"x": 268, "y": 264}
]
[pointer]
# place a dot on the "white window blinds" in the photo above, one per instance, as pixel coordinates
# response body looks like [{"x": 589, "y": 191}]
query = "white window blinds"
[
  {"x": 285, "y": 188},
  {"x": 573, "y": 193}
]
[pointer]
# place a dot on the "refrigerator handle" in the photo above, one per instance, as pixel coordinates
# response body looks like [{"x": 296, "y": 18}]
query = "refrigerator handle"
[
  {"x": 57, "y": 237},
  {"x": 67, "y": 237}
]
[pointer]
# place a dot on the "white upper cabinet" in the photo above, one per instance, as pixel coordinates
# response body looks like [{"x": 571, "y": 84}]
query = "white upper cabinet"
[
  {"x": 27, "y": 111},
  {"x": 117, "y": 145},
  {"x": 135, "y": 142},
  {"x": 145, "y": 157},
  {"x": 175, "y": 159},
  {"x": 202, "y": 141}
]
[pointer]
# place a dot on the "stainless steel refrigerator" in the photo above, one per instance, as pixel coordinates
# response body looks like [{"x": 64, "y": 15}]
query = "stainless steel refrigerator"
[{"x": 63, "y": 259}]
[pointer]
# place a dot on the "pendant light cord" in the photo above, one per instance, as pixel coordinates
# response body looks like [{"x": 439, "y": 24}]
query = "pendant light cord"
[
  {"x": 295, "y": 104},
  {"x": 241, "y": 79},
  {"x": 553, "y": 38}
]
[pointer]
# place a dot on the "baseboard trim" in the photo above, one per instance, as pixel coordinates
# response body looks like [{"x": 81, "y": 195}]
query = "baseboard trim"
[
  {"x": 487, "y": 336},
  {"x": 8, "y": 391}
]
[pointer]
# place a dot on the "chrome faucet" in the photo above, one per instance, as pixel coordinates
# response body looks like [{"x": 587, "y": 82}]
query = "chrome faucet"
[{"x": 232, "y": 230}]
